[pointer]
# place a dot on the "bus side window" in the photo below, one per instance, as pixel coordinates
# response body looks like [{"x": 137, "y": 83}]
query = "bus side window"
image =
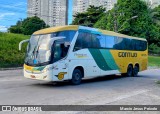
[
  {"x": 127, "y": 44},
  {"x": 78, "y": 44},
  {"x": 83, "y": 41},
  {"x": 116, "y": 43},
  {"x": 102, "y": 41},
  {"x": 95, "y": 41},
  {"x": 110, "y": 42},
  {"x": 86, "y": 40},
  {"x": 144, "y": 45},
  {"x": 137, "y": 45}
]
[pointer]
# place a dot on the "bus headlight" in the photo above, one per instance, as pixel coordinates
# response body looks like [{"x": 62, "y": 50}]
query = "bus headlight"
[{"x": 46, "y": 69}]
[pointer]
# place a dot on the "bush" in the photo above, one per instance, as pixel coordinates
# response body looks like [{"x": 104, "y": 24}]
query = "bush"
[
  {"x": 154, "y": 49},
  {"x": 10, "y": 56}
]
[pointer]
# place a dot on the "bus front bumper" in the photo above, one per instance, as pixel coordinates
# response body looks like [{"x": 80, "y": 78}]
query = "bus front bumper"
[
  {"x": 45, "y": 76},
  {"x": 38, "y": 76}
]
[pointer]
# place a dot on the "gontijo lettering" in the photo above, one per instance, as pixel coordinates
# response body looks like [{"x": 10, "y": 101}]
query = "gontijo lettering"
[{"x": 127, "y": 54}]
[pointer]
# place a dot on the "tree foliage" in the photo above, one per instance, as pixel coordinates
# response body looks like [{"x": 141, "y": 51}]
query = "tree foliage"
[
  {"x": 90, "y": 17},
  {"x": 155, "y": 14},
  {"x": 16, "y": 28},
  {"x": 134, "y": 18},
  {"x": 101, "y": 22},
  {"x": 28, "y": 26}
]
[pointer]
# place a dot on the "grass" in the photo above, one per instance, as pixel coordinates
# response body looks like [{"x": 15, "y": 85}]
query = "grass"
[
  {"x": 10, "y": 56},
  {"x": 154, "y": 61}
]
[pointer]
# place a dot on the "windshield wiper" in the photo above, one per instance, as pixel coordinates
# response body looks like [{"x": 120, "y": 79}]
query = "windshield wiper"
[{"x": 37, "y": 51}]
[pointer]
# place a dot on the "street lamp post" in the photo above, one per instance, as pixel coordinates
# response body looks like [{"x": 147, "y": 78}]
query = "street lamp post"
[{"x": 127, "y": 21}]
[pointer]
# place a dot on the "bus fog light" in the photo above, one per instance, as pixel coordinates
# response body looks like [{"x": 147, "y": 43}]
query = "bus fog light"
[{"x": 61, "y": 75}]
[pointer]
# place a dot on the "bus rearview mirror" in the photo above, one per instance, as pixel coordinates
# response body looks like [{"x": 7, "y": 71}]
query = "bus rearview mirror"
[{"x": 22, "y": 42}]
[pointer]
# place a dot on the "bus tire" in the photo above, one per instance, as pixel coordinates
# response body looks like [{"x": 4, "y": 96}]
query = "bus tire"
[
  {"x": 135, "y": 71},
  {"x": 76, "y": 77},
  {"x": 130, "y": 71}
]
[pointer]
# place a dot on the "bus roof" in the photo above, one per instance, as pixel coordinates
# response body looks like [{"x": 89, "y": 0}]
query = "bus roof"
[
  {"x": 77, "y": 27},
  {"x": 56, "y": 29}
]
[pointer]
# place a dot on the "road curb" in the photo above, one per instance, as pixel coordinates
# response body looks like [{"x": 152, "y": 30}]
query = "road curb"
[
  {"x": 16, "y": 68},
  {"x": 152, "y": 67}
]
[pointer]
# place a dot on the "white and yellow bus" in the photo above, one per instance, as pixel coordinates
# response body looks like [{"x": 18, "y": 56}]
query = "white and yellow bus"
[{"x": 75, "y": 52}]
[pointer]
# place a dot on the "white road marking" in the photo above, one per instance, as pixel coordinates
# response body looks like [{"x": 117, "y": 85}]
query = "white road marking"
[
  {"x": 103, "y": 99},
  {"x": 104, "y": 102},
  {"x": 154, "y": 96}
]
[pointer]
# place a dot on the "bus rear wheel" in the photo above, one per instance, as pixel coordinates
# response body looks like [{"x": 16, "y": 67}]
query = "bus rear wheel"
[
  {"x": 130, "y": 71},
  {"x": 135, "y": 71},
  {"x": 76, "y": 77}
]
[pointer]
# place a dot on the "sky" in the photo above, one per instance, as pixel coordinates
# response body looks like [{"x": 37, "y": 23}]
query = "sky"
[
  {"x": 13, "y": 10},
  {"x": 70, "y": 12}
]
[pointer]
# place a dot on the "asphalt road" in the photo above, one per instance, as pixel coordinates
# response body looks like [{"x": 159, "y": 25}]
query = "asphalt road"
[{"x": 109, "y": 90}]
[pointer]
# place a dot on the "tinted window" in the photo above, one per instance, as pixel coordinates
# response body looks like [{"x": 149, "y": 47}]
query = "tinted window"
[
  {"x": 129, "y": 44},
  {"x": 95, "y": 41},
  {"x": 133, "y": 44},
  {"x": 110, "y": 41},
  {"x": 83, "y": 41},
  {"x": 118, "y": 43},
  {"x": 78, "y": 44},
  {"x": 102, "y": 41},
  {"x": 140, "y": 45},
  {"x": 68, "y": 34},
  {"x": 86, "y": 40}
]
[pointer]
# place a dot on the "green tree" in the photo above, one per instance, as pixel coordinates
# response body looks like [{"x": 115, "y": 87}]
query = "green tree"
[
  {"x": 90, "y": 17},
  {"x": 123, "y": 14},
  {"x": 101, "y": 22},
  {"x": 154, "y": 31},
  {"x": 154, "y": 14},
  {"x": 28, "y": 26},
  {"x": 132, "y": 17},
  {"x": 16, "y": 28}
]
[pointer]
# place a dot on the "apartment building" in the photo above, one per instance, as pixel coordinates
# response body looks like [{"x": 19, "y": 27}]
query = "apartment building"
[
  {"x": 53, "y": 12},
  {"x": 82, "y": 5}
]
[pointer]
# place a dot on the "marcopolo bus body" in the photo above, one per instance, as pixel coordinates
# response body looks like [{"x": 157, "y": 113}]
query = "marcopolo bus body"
[{"x": 75, "y": 52}]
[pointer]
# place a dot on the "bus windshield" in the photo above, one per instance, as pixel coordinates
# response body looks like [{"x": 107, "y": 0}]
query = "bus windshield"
[{"x": 47, "y": 48}]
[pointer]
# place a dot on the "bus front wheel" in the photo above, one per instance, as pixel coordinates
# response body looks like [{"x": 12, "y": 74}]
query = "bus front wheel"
[{"x": 76, "y": 77}]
